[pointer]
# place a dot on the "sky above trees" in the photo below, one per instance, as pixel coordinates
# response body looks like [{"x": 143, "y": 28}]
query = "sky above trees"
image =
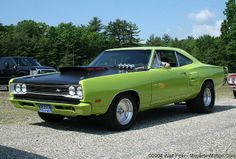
[{"x": 176, "y": 18}]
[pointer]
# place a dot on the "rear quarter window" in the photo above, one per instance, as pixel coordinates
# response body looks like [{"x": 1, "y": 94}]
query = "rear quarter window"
[{"x": 183, "y": 60}]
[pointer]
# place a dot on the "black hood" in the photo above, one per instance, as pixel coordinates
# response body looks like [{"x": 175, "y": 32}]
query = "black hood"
[
  {"x": 71, "y": 75},
  {"x": 67, "y": 76}
]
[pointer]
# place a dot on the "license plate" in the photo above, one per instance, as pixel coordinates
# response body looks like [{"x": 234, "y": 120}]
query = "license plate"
[{"x": 45, "y": 108}]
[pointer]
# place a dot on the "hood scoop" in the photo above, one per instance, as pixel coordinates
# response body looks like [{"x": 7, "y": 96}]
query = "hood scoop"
[{"x": 81, "y": 69}]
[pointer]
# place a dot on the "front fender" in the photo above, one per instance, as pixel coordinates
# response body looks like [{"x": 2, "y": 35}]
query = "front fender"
[{"x": 100, "y": 91}]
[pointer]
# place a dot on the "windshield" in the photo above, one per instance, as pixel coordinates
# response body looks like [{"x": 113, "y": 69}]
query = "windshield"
[
  {"x": 139, "y": 58},
  {"x": 34, "y": 62},
  {"x": 27, "y": 62}
]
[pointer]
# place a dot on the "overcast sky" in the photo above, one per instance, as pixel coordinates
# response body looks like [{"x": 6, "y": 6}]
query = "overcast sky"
[{"x": 178, "y": 18}]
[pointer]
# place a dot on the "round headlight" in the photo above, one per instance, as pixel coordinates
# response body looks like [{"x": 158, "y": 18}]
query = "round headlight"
[
  {"x": 72, "y": 90},
  {"x": 79, "y": 92},
  {"x": 23, "y": 88},
  {"x": 18, "y": 88}
]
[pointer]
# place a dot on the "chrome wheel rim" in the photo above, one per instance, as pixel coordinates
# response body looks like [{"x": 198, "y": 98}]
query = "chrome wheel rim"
[
  {"x": 124, "y": 111},
  {"x": 207, "y": 97}
]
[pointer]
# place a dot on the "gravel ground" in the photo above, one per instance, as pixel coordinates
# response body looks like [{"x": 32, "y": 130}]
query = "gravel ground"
[{"x": 170, "y": 132}]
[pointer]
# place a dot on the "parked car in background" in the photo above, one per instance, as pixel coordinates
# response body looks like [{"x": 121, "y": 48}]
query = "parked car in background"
[
  {"x": 11, "y": 67},
  {"x": 232, "y": 83},
  {"x": 118, "y": 84}
]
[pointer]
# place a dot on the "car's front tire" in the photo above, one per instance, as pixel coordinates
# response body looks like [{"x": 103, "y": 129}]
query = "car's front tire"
[
  {"x": 234, "y": 92},
  {"x": 51, "y": 117},
  {"x": 205, "y": 100},
  {"x": 122, "y": 112}
]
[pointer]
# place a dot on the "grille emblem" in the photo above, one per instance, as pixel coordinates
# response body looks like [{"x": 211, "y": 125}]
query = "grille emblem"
[{"x": 58, "y": 90}]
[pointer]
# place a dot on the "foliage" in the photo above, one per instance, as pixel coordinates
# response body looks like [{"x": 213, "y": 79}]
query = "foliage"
[
  {"x": 67, "y": 44},
  {"x": 206, "y": 48},
  {"x": 228, "y": 36},
  {"x": 122, "y": 33}
]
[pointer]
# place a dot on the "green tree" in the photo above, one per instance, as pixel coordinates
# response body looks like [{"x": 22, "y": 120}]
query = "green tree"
[
  {"x": 166, "y": 39},
  {"x": 95, "y": 25},
  {"x": 122, "y": 33},
  {"x": 154, "y": 41},
  {"x": 228, "y": 34},
  {"x": 207, "y": 50},
  {"x": 67, "y": 43}
]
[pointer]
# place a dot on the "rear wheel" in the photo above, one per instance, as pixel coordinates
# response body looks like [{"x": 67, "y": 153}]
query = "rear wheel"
[
  {"x": 205, "y": 100},
  {"x": 234, "y": 94},
  {"x": 51, "y": 117},
  {"x": 122, "y": 112}
]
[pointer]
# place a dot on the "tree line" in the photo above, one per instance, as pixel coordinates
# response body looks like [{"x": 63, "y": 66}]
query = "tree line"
[{"x": 67, "y": 44}]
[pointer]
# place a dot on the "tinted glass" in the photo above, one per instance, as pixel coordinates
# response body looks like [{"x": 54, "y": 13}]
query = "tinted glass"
[
  {"x": 33, "y": 62},
  {"x": 139, "y": 58},
  {"x": 10, "y": 62},
  {"x": 168, "y": 56},
  {"x": 183, "y": 60},
  {"x": 26, "y": 62}
]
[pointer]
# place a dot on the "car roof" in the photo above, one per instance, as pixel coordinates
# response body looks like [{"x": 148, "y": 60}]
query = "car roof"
[
  {"x": 157, "y": 48},
  {"x": 144, "y": 48}
]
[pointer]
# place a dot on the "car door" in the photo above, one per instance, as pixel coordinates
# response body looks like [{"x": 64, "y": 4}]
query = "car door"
[
  {"x": 168, "y": 84},
  {"x": 8, "y": 70}
]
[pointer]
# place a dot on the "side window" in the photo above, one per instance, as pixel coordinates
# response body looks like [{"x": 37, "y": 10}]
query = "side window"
[
  {"x": 8, "y": 62},
  {"x": 168, "y": 56},
  {"x": 23, "y": 62},
  {"x": 183, "y": 60}
]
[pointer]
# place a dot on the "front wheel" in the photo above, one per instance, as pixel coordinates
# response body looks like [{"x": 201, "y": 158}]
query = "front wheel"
[
  {"x": 205, "y": 100},
  {"x": 51, "y": 117},
  {"x": 234, "y": 94},
  {"x": 122, "y": 112}
]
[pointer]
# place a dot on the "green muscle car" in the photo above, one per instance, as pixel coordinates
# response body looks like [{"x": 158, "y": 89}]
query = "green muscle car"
[{"x": 118, "y": 84}]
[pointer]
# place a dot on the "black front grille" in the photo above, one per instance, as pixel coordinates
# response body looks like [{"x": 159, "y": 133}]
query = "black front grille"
[
  {"x": 48, "y": 89},
  {"x": 47, "y": 93},
  {"x": 46, "y": 98}
]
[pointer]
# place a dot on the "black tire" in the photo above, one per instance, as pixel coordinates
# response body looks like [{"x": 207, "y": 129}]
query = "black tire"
[
  {"x": 111, "y": 118},
  {"x": 197, "y": 105},
  {"x": 179, "y": 103},
  {"x": 52, "y": 118},
  {"x": 234, "y": 92}
]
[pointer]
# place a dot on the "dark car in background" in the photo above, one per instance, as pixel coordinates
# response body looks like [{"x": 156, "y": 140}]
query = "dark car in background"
[
  {"x": 232, "y": 83},
  {"x": 11, "y": 67}
]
